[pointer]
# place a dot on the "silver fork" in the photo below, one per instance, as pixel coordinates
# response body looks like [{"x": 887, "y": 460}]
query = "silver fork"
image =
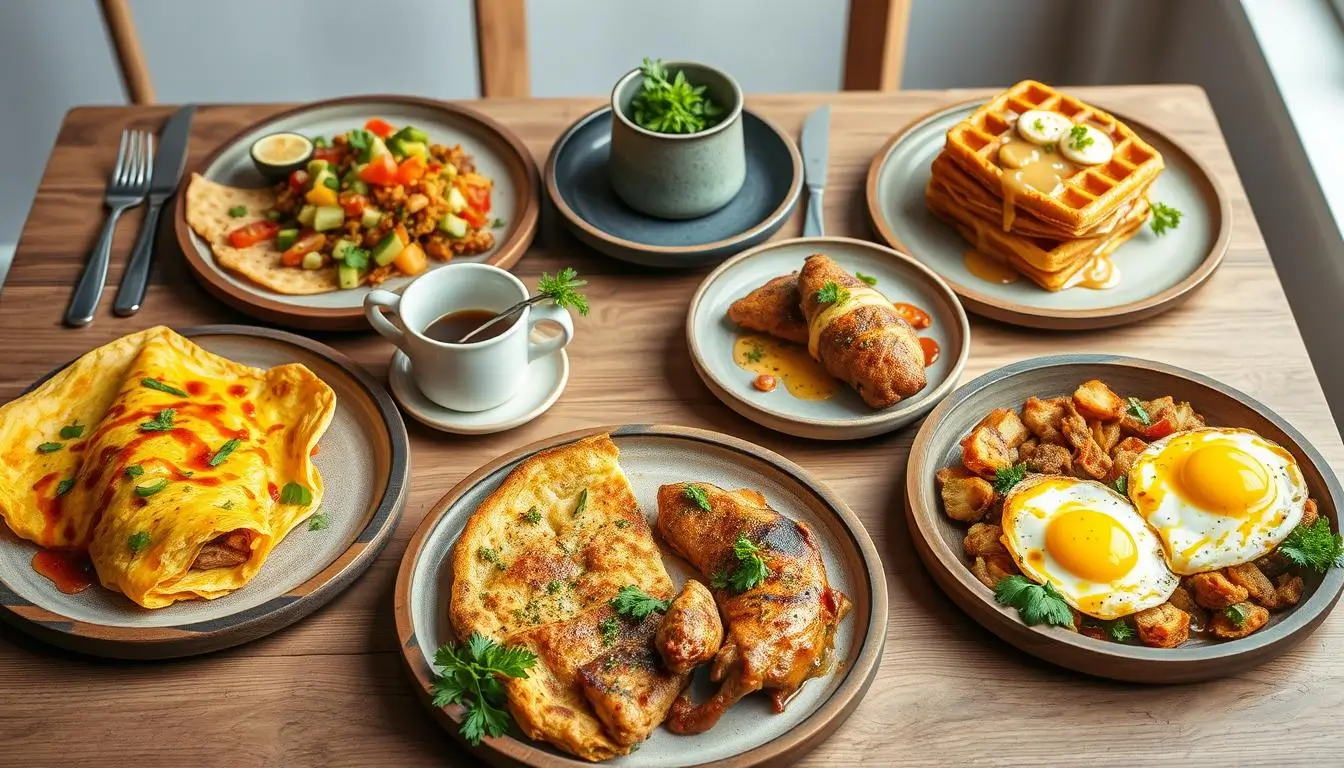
[{"x": 126, "y": 189}]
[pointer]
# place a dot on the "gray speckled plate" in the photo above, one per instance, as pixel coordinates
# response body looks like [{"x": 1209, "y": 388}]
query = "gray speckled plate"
[
  {"x": 749, "y": 733},
  {"x": 710, "y": 336},
  {"x": 303, "y": 572},
  {"x": 1157, "y": 273},
  {"x": 498, "y": 154},
  {"x": 576, "y": 179}
]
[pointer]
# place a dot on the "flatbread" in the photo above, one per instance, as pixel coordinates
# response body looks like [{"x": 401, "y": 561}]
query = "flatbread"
[{"x": 208, "y": 205}]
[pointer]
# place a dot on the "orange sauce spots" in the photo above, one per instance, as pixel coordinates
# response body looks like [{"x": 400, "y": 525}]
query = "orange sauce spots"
[
  {"x": 931, "y": 350},
  {"x": 316, "y": 450},
  {"x": 196, "y": 388},
  {"x": 916, "y": 317},
  {"x": 988, "y": 269},
  {"x": 249, "y": 410},
  {"x": 274, "y": 491},
  {"x": 238, "y": 390},
  {"x": 803, "y": 377},
  {"x": 69, "y": 569}
]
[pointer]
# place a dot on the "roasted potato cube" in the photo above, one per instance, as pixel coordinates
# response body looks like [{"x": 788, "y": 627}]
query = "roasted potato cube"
[
  {"x": 1095, "y": 400},
  {"x": 992, "y": 570},
  {"x": 965, "y": 496},
  {"x": 1258, "y": 586},
  {"x": 984, "y": 540},
  {"x": 1026, "y": 449},
  {"x": 1186, "y": 418},
  {"x": 1106, "y": 434},
  {"x": 1213, "y": 590},
  {"x": 1008, "y": 424},
  {"x": 1162, "y": 626},
  {"x": 1309, "y": 512},
  {"x": 1289, "y": 589},
  {"x": 1051, "y": 459},
  {"x": 1182, "y": 600},
  {"x": 984, "y": 451},
  {"x": 1161, "y": 419},
  {"x": 1076, "y": 431},
  {"x": 1129, "y": 445},
  {"x": 1222, "y": 626},
  {"x": 1090, "y": 460},
  {"x": 1043, "y": 418},
  {"x": 1273, "y": 564},
  {"x": 1123, "y": 456}
]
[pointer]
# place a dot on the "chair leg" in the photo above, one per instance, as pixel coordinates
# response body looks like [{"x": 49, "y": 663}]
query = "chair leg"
[
  {"x": 130, "y": 56},
  {"x": 875, "y": 45}
]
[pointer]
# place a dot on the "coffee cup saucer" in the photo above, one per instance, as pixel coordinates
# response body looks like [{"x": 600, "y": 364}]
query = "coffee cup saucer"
[{"x": 546, "y": 379}]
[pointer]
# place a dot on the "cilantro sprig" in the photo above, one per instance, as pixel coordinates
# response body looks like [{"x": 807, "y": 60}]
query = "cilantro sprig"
[
  {"x": 563, "y": 289},
  {"x": 634, "y": 603},
  {"x": 1035, "y": 603},
  {"x": 1314, "y": 546},
  {"x": 832, "y": 293},
  {"x": 1007, "y": 477},
  {"x": 751, "y": 569},
  {"x": 470, "y": 675},
  {"x": 1164, "y": 218},
  {"x": 672, "y": 105},
  {"x": 697, "y": 495}
]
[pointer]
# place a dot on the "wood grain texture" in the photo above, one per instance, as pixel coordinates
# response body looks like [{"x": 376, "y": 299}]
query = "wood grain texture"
[
  {"x": 130, "y": 56},
  {"x": 330, "y": 690},
  {"x": 875, "y": 44},
  {"x": 501, "y": 48}
]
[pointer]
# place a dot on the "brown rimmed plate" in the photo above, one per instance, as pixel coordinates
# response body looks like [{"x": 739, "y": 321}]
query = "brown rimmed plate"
[
  {"x": 749, "y": 734},
  {"x": 497, "y": 152},
  {"x": 365, "y": 465},
  {"x": 1157, "y": 273},
  {"x": 938, "y": 539}
]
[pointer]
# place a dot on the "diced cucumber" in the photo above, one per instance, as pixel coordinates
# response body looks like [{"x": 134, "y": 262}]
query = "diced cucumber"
[
  {"x": 306, "y": 214},
  {"x": 454, "y": 226},
  {"x": 370, "y": 218},
  {"x": 359, "y": 186},
  {"x": 328, "y": 217},
  {"x": 415, "y": 134},
  {"x": 338, "y": 250},
  {"x": 376, "y": 147},
  {"x": 312, "y": 260},
  {"x": 317, "y": 166},
  {"x": 388, "y": 249},
  {"x": 349, "y": 277},
  {"x": 285, "y": 238},
  {"x": 456, "y": 200},
  {"x": 413, "y": 148},
  {"x": 449, "y": 171}
]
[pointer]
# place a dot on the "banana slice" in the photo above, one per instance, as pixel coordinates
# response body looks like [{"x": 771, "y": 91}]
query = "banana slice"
[
  {"x": 1086, "y": 147},
  {"x": 1041, "y": 127}
]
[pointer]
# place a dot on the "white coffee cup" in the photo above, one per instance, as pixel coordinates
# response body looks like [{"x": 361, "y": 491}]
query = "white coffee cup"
[{"x": 478, "y": 375}]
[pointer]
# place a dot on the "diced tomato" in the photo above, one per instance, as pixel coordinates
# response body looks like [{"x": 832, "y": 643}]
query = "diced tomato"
[
  {"x": 380, "y": 127},
  {"x": 332, "y": 155},
  {"x": 411, "y": 169},
  {"x": 433, "y": 168},
  {"x": 475, "y": 218},
  {"x": 308, "y": 242},
  {"x": 1160, "y": 427},
  {"x": 353, "y": 203},
  {"x": 381, "y": 170},
  {"x": 251, "y": 234},
  {"x": 478, "y": 196},
  {"x": 298, "y": 179}
]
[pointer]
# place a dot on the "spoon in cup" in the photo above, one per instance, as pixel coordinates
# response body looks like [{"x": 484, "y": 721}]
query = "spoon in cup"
[{"x": 561, "y": 289}]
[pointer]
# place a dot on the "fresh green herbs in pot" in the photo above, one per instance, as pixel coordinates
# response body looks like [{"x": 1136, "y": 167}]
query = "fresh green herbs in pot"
[{"x": 671, "y": 104}]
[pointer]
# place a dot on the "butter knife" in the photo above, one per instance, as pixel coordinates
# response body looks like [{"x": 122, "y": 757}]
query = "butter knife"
[
  {"x": 168, "y": 166},
  {"x": 816, "y": 137}
]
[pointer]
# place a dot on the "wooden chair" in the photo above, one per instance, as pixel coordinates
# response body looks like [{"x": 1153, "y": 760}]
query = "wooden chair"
[{"x": 874, "y": 47}]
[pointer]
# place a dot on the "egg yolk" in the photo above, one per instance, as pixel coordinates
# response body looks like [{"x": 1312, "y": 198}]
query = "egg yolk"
[
  {"x": 1222, "y": 479},
  {"x": 1091, "y": 544}
]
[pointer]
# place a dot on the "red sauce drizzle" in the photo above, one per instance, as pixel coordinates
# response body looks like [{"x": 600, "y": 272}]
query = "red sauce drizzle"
[
  {"x": 196, "y": 388},
  {"x": 273, "y": 491},
  {"x": 249, "y": 410},
  {"x": 69, "y": 569},
  {"x": 931, "y": 350},
  {"x": 238, "y": 390},
  {"x": 916, "y": 317},
  {"x": 49, "y": 503},
  {"x": 316, "y": 449}
]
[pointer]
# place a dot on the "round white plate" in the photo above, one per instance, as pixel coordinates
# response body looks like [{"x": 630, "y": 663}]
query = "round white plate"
[{"x": 546, "y": 379}]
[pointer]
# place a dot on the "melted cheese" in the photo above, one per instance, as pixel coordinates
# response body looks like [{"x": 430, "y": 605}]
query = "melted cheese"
[{"x": 858, "y": 297}]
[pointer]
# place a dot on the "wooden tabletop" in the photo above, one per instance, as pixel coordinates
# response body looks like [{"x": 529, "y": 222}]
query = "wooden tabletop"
[{"x": 331, "y": 691}]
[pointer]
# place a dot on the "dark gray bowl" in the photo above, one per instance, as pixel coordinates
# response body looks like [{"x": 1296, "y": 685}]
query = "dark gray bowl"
[
  {"x": 939, "y": 541},
  {"x": 577, "y": 181}
]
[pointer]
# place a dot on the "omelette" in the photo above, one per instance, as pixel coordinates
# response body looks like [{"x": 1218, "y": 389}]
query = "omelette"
[{"x": 176, "y": 469}]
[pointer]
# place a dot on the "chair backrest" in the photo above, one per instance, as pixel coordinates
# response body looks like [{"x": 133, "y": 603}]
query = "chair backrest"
[{"x": 874, "y": 47}]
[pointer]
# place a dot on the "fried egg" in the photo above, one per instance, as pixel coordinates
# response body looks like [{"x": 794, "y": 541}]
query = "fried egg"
[
  {"x": 1089, "y": 543},
  {"x": 1217, "y": 497}
]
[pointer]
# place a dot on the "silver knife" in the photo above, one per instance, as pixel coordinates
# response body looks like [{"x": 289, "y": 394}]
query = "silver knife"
[
  {"x": 168, "y": 166},
  {"x": 816, "y": 137}
]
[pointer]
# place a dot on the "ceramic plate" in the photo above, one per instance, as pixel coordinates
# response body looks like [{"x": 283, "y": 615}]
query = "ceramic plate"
[
  {"x": 547, "y": 376},
  {"x": 939, "y": 540},
  {"x": 710, "y": 336},
  {"x": 750, "y": 733},
  {"x": 576, "y": 179},
  {"x": 498, "y": 153},
  {"x": 1157, "y": 273},
  {"x": 364, "y": 460}
]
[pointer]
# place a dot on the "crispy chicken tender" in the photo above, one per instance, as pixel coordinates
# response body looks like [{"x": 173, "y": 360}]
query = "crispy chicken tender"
[
  {"x": 1106, "y": 434},
  {"x": 1223, "y": 627},
  {"x": 1162, "y": 626},
  {"x": 1088, "y": 456},
  {"x": 1008, "y": 424},
  {"x": 1309, "y": 512},
  {"x": 1257, "y": 585},
  {"x": 1213, "y": 590},
  {"x": 773, "y": 309},
  {"x": 1043, "y": 418},
  {"x": 984, "y": 451},
  {"x": 966, "y": 497}
]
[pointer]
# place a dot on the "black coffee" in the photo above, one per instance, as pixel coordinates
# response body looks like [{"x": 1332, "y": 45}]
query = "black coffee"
[{"x": 453, "y": 326}]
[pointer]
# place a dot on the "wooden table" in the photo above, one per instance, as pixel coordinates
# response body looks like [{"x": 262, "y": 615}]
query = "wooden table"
[{"x": 330, "y": 690}]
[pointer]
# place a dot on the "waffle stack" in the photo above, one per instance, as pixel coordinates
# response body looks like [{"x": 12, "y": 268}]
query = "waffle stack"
[{"x": 1049, "y": 232}]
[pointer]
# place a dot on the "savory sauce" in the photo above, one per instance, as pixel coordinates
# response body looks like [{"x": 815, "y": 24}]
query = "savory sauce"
[
  {"x": 931, "y": 350},
  {"x": 1100, "y": 273},
  {"x": 803, "y": 377},
  {"x": 454, "y": 325},
  {"x": 69, "y": 569},
  {"x": 916, "y": 317},
  {"x": 988, "y": 269}
]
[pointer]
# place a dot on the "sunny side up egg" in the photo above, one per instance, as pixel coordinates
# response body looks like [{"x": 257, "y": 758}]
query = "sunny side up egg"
[
  {"x": 1217, "y": 497},
  {"x": 1089, "y": 543}
]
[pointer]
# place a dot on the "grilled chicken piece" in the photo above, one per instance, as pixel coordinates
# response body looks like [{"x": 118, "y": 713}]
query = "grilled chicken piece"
[
  {"x": 861, "y": 339},
  {"x": 779, "y": 631},
  {"x": 774, "y": 309},
  {"x": 627, "y": 687},
  {"x": 690, "y": 632},
  {"x": 224, "y": 551}
]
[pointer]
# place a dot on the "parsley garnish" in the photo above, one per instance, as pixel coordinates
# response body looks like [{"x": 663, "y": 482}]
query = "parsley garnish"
[
  {"x": 1164, "y": 217},
  {"x": 49, "y": 447},
  {"x": 159, "y": 385},
  {"x": 554, "y": 586},
  {"x": 635, "y": 603},
  {"x": 1236, "y": 614},
  {"x": 1007, "y": 477},
  {"x": 1314, "y": 546},
  {"x": 497, "y": 223},
  {"x": 238, "y": 211},
  {"x": 1038, "y": 125},
  {"x": 755, "y": 352},
  {"x": 622, "y": 523},
  {"x": 489, "y": 555},
  {"x": 162, "y": 422},
  {"x": 1119, "y": 631},
  {"x": 697, "y": 495},
  {"x": 138, "y": 541},
  {"x": 868, "y": 279},
  {"x": 1036, "y": 603},
  {"x": 135, "y": 470},
  {"x": 671, "y": 106},
  {"x": 830, "y": 293},
  {"x": 293, "y": 493},
  {"x": 751, "y": 569},
  {"x": 561, "y": 289},
  {"x": 532, "y": 516},
  {"x": 611, "y": 629},
  {"x": 72, "y": 431},
  {"x": 582, "y": 503},
  {"x": 146, "y": 490},
  {"x": 64, "y": 486},
  {"x": 1078, "y": 138},
  {"x": 319, "y": 522},
  {"x": 1137, "y": 410},
  {"x": 1121, "y": 484},
  {"x": 224, "y": 450},
  {"x": 469, "y": 674}
]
